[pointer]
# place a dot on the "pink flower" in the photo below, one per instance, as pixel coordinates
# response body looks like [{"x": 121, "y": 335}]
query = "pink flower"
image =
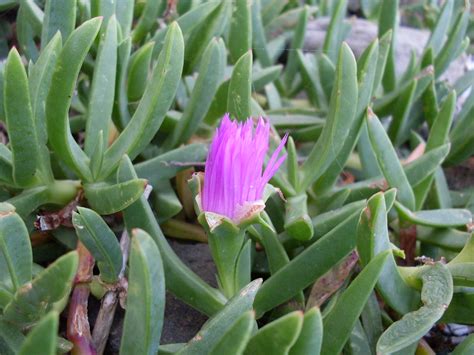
[{"x": 233, "y": 179}]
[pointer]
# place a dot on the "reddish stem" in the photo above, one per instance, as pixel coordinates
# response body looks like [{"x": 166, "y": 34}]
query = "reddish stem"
[
  {"x": 78, "y": 329},
  {"x": 408, "y": 242}
]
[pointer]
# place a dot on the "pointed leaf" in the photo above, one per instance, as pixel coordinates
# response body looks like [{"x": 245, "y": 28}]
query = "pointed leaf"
[
  {"x": 15, "y": 247},
  {"x": 145, "y": 298},
  {"x": 94, "y": 233},
  {"x": 43, "y": 338}
]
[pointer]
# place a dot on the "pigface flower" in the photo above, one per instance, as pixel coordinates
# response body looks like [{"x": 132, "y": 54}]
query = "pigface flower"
[{"x": 234, "y": 179}]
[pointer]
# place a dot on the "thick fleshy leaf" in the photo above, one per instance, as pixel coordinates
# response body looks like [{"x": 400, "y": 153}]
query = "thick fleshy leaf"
[
  {"x": 107, "y": 198},
  {"x": 340, "y": 117},
  {"x": 35, "y": 299},
  {"x": 139, "y": 71},
  {"x": 311, "y": 336},
  {"x": 11, "y": 339},
  {"x": 333, "y": 39},
  {"x": 59, "y": 16},
  {"x": 436, "y": 295},
  {"x": 154, "y": 104},
  {"x": 145, "y": 297},
  {"x": 15, "y": 248},
  {"x": 146, "y": 21},
  {"x": 342, "y": 317},
  {"x": 388, "y": 161},
  {"x": 102, "y": 243},
  {"x": 20, "y": 122},
  {"x": 276, "y": 337},
  {"x": 301, "y": 271},
  {"x": 240, "y": 35},
  {"x": 442, "y": 218},
  {"x": 214, "y": 329},
  {"x": 43, "y": 338},
  {"x": 236, "y": 338},
  {"x": 102, "y": 89},
  {"x": 60, "y": 95},
  {"x": 373, "y": 239},
  {"x": 211, "y": 71},
  {"x": 240, "y": 88},
  {"x": 167, "y": 165}
]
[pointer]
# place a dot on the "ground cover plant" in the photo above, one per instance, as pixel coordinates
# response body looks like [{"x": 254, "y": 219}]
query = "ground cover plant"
[{"x": 317, "y": 178}]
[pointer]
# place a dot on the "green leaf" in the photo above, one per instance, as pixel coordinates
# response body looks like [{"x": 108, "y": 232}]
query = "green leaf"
[
  {"x": 455, "y": 37},
  {"x": 106, "y": 198},
  {"x": 436, "y": 295},
  {"x": 124, "y": 14},
  {"x": 15, "y": 248},
  {"x": 187, "y": 22},
  {"x": 327, "y": 74},
  {"x": 59, "y": 98},
  {"x": 218, "y": 326},
  {"x": 466, "y": 347},
  {"x": 225, "y": 241},
  {"x": 20, "y": 122},
  {"x": 271, "y": 9},
  {"x": 341, "y": 114},
  {"x": 262, "y": 77},
  {"x": 418, "y": 170},
  {"x": 138, "y": 72},
  {"x": 259, "y": 40},
  {"x": 297, "y": 43},
  {"x": 388, "y": 21},
  {"x": 297, "y": 221},
  {"x": 243, "y": 266},
  {"x": 34, "y": 299},
  {"x": 59, "y": 15},
  {"x": 333, "y": 39},
  {"x": 27, "y": 28},
  {"x": 309, "y": 74},
  {"x": 373, "y": 239},
  {"x": 311, "y": 336},
  {"x": 147, "y": 20},
  {"x": 154, "y": 104},
  {"x": 401, "y": 114},
  {"x": 442, "y": 218},
  {"x": 365, "y": 80},
  {"x": 342, "y": 317},
  {"x": 100, "y": 241},
  {"x": 240, "y": 88},
  {"x": 213, "y": 25},
  {"x": 145, "y": 297},
  {"x": 301, "y": 271},
  {"x": 276, "y": 337},
  {"x": 29, "y": 200},
  {"x": 11, "y": 339},
  {"x": 121, "y": 114},
  {"x": 388, "y": 161},
  {"x": 166, "y": 201},
  {"x": 102, "y": 89},
  {"x": 240, "y": 35},
  {"x": 438, "y": 34},
  {"x": 236, "y": 338},
  {"x": 323, "y": 223},
  {"x": 40, "y": 75},
  {"x": 211, "y": 72},
  {"x": 180, "y": 280},
  {"x": 385, "y": 43},
  {"x": 43, "y": 338}
]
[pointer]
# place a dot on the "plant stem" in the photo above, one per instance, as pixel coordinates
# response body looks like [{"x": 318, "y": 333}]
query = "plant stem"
[
  {"x": 109, "y": 303},
  {"x": 78, "y": 329}
]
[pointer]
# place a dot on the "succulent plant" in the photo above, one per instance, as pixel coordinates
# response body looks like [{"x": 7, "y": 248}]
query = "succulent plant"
[{"x": 347, "y": 239}]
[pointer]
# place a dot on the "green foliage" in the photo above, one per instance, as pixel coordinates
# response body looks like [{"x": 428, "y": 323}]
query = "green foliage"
[{"x": 108, "y": 106}]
